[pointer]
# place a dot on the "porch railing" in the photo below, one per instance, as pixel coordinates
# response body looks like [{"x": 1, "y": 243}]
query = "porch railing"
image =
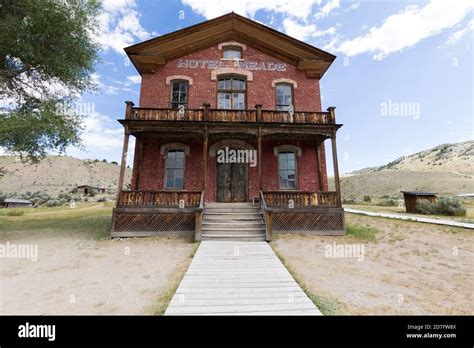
[
  {"x": 166, "y": 198},
  {"x": 256, "y": 115},
  {"x": 300, "y": 198}
]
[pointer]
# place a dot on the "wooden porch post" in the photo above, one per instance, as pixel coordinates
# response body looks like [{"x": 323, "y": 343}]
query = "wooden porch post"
[
  {"x": 124, "y": 162},
  {"x": 139, "y": 145},
  {"x": 320, "y": 171},
  {"x": 204, "y": 159},
  {"x": 259, "y": 158},
  {"x": 336, "y": 169}
]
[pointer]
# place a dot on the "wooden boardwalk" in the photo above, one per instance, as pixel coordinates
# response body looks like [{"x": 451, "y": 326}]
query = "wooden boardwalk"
[
  {"x": 409, "y": 217},
  {"x": 238, "y": 278}
]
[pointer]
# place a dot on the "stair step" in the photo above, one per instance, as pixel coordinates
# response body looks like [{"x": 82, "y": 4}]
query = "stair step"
[
  {"x": 232, "y": 210},
  {"x": 231, "y": 213},
  {"x": 232, "y": 218},
  {"x": 241, "y": 237},
  {"x": 234, "y": 221},
  {"x": 233, "y": 228},
  {"x": 226, "y": 224}
]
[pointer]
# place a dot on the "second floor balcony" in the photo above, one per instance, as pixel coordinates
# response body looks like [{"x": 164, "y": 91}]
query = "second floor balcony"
[{"x": 206, "y": 114}]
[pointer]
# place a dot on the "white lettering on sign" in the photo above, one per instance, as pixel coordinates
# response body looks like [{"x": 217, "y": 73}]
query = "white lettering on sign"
[{"x": 214, "y": 64}]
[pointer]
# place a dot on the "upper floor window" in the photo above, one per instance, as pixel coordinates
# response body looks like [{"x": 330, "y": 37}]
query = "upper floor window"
[
  {"x": 284, "y": 96},
  {"x": 179, "y": 93},
  {"x": 287, "y": 170},
  {"x": 174, "y": 169},
  {"x": 231, "y": 52},
  {"x": 231, "y": 93}
]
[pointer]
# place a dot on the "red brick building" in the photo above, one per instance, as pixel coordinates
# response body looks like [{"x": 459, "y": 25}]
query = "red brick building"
[{"x": 230, "y": 112}]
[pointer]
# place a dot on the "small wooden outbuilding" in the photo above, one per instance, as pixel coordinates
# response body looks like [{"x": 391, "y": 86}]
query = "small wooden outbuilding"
[
  {"x": 17, "y": 203},
  {"x": 87, "y": 190},
  {"x": 411, "y": 197}
]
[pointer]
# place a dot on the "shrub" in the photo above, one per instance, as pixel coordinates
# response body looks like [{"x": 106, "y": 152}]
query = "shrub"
[
  {"x": 350, "y": 200},
  {"x": 15, "y": 212},
  {"x": 367, "y": 199},
  {"x": 443, "y": 206},
  {"x": 53, "y": 203},
  {"x": 388, "y": 202}
]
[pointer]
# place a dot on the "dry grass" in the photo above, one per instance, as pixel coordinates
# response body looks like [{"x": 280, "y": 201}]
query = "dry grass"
[{"x": 408, "y": 268}]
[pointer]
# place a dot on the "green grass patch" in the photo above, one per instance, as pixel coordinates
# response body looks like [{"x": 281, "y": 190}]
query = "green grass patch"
[
  {"x": 164, "y": 300},
  {"x": 15, "y": 212},
  {"x": 361, "y": 232},
  {"x": 92, "y": 222},
  {"x": 327, "y": 305}
]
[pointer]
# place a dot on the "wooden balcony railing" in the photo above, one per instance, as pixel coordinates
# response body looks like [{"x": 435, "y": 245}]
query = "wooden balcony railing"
[
  {"x": 300, "y": 199},
  {"x": 221, "y": 115},
  {"x": 163, "y": 199}
]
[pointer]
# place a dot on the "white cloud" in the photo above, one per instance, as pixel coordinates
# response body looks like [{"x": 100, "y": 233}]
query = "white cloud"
[
  {"x": 100, "y": 133},
  {"x": 119, "y": 25},
  {"x": 210, "y": 8},
  {"x": 107, "y": 89},
  {"x": 327, "y": 8},
  {"x": 304, "y": 31},
  {"x": 407, "y": 28},
  {"x": 457, "y": 35},
  {"x": 134, "y": 79}
]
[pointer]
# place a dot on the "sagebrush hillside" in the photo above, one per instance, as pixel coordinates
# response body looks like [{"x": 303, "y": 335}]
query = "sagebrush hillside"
[
  {"x": 57, "y": 173},
  {"x": 447, "y": 169}
]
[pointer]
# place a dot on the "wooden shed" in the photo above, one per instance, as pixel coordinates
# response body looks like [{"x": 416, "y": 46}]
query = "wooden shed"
[
  {"x": 17, "y": 203},
  {"x": 88, "y": 190},
  {"x": 411, "y": 197}
]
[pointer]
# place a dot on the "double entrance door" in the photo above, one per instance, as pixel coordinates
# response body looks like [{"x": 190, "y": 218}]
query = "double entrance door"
[{"x": 232, "y": 181}]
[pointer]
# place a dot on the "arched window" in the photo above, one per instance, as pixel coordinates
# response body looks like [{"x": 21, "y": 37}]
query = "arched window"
[
  {"x": 284, "y": 96},
  {"x": 174, "y": 169},
  {"x": 179, "y": 93},
  {"x": 231, "y": 93},
  {"x": 287, "y": 170}
]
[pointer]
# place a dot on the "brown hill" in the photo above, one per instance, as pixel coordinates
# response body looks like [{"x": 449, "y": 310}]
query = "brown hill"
[
  {"x": 447, "y": 169},
  {"x": 57, "y": 173}
]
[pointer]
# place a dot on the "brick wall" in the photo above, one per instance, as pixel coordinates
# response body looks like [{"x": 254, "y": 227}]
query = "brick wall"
[
  {"x": 156, "y": 93},
  {"x": 153, "y": 164}
]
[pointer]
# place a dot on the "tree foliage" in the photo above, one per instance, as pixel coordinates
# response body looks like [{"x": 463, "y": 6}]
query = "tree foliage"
[{"x": 47, "y": 55}]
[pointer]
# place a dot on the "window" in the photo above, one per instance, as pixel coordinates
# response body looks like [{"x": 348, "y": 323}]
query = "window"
[
  {"x": 284, "y": 96},
  {"x": 174, "y": 169},
  {"x": 287, "y": 170},
  {"x": 231, "y": 52},
  {"x": 179, "y": 93},
  {"x": 231, "y": 93}
]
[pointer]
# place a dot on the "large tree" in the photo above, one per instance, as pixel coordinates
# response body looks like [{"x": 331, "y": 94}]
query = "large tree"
[{"x": 47, "y": 55}]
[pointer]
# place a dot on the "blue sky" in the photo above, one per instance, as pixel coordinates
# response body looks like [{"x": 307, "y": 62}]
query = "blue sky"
[{"x": 402, "y": 81}]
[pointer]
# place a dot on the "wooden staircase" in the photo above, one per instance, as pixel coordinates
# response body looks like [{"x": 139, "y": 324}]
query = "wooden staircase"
[{"x": 233, "y": 221}]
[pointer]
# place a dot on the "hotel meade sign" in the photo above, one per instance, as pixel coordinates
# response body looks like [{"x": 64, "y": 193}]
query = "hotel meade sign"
[{"x": 214, "y": 64}]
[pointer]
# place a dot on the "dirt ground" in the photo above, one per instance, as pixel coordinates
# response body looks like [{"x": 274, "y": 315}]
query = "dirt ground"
[
  {"x": 410, "y": 268},
  {"x": 78, "y": 276}
]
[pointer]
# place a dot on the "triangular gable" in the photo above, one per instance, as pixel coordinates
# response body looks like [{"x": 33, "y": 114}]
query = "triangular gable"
[{"x": 147, "y": 55}]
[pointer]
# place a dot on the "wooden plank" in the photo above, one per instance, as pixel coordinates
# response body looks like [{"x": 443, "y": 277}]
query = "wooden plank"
[{"x": 238, "y": 277}]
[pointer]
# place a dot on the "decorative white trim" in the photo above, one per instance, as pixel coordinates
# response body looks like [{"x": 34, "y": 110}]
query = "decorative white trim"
[
  {"x": 174, "y": 146},
  {"x": 285, "y": 80},
  {"x": 232, "y": 143},
  {"x": 287, "y": 147},
  {"x": 236, "y": 71},
  {"x": 179, "y": 77},
  {"x": 232, "y": 43}
]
